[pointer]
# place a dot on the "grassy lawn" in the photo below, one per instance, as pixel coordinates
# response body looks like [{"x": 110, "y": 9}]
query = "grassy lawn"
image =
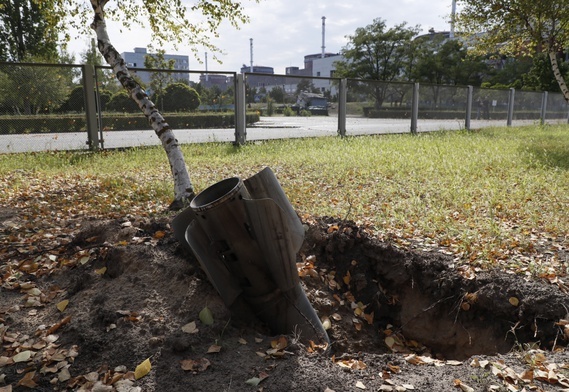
[{"x": 496, "y": 197}]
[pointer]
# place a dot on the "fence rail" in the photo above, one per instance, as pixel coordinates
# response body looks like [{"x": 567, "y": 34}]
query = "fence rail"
[{"x": 47, "y": 107}]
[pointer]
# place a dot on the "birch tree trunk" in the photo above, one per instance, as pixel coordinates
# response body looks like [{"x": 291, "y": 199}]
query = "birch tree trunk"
[
  {"x": 558, "y": 75},
  {"x": 183, "y": 188}
]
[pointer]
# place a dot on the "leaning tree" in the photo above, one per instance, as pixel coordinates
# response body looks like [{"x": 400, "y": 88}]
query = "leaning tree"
[
  {"x": 170, "y": 21},
  {"x": 518, "y": 27}
]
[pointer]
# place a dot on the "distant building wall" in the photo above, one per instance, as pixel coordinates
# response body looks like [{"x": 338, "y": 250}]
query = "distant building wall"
[
  {"x": 258, "y": 81},
  {"x": 136, "y": 60},
  {"x": 324, "y": 67},
  {"x": 211, "y": 80}
]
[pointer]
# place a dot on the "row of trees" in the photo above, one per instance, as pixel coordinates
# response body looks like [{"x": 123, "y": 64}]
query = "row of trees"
[
  {"x": 373, "y": 52},
  {"x": 29, "y": 90},
  {"x": 501, "y": 43},
  {"x": 399, "y": 53},
  {"x": 512, "y": 27},
  {"x": 176, "y": 97}
]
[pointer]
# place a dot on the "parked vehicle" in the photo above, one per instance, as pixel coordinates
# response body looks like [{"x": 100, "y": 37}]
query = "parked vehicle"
[{"x": 315, "y": 103}]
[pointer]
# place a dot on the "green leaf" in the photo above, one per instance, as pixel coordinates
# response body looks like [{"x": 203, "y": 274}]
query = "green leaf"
[
  {"x": 206, "y": 316},
  {"x": 253, "y": 381}
]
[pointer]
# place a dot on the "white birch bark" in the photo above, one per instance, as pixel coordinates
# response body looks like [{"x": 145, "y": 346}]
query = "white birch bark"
[
  {"x": 558, "y": 75},
  {"x": 183, "y": 188}
]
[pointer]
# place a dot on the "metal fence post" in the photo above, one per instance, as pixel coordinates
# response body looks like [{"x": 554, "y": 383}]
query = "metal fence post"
[
  {"x": 415, "y": 108},
  {"x": 90, "y": 106},
  {"x": 342, "y": 99},
  {"x": 240, "y": 111},
  {"x": 511, "y": 106},
  {"x": 468, "y": 107},
  {"x": 543, "y": 108}
]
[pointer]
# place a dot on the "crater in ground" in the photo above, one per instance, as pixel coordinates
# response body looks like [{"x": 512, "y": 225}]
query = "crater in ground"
[
  {"x": 131, "y": 288},
  {"x": 426, "y": 302}
]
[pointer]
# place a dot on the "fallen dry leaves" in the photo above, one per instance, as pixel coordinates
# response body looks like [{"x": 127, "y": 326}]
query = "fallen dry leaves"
[
  {"x": 195, "y": 365},
  {"x": 50, "y": 211},
  {"x": 537, "y": 368}
]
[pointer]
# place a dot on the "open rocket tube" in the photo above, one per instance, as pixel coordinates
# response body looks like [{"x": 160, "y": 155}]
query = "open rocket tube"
[{"x": 246, "y": 235}]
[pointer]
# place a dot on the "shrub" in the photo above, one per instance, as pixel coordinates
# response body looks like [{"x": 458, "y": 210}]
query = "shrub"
[
  {"x": 122, "y": 102},
  {"x": 305, "y": 113},
  {"x": 117, "y": 122},
  {"x": 270, "y": 107},
  {"x": 75, "y": 102},
  {"x": 179, "y": 97},
  {"x": 288, "y": 111},
  {"x": 104, "y": 98}
]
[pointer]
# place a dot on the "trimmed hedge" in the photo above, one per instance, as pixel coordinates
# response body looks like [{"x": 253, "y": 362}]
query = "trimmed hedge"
[
  {"x": 116, "y": 122},
  {"x": 442, "y": 114}
]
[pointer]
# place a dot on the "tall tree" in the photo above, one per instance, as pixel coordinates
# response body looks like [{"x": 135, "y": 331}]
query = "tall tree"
[
  {"x": 378, "y": 53},
  {"x": 33, "y": 90},
  {"x": 519, "y": 27},
  {"x": 440, "y": 60},
  {"x": 169, "y": 22},
  {"x": 25, "y": 31}
]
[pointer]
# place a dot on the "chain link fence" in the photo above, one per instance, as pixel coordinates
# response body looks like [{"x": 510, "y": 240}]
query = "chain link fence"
[
  {"x": 287, "y": 103},
  {"x": 44, "y": 107},
  {"x": 191, "y": 102}
]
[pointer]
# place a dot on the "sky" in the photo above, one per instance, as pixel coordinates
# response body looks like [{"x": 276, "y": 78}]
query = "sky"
[{"x": 284, "y": 31}]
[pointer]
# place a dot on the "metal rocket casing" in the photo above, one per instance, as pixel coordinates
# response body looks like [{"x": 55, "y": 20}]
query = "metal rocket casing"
[{"x": 246, "y": 235}]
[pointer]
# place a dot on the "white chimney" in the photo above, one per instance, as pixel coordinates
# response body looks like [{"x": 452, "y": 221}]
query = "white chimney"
[
  {"x": 323, "y": 36},
  {"x": 251, "y": 50},
  {"x": 452, "y": 19}
]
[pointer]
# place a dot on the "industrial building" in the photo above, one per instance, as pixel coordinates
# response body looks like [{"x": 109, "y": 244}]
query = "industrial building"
[{"x": 136, "y": 60}]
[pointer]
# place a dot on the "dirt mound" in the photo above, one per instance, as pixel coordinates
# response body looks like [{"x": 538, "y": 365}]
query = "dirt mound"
[{"x": 397, "y": 319}]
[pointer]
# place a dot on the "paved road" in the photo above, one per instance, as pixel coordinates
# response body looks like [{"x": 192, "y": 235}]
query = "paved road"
[{"x": 267, "y": 128}]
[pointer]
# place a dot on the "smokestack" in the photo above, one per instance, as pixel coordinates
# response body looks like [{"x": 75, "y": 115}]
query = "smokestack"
[
  {"x": 251, "y": 50},
  {"x": 323, "y": 36},
  {"x": 452, "y": 19}
]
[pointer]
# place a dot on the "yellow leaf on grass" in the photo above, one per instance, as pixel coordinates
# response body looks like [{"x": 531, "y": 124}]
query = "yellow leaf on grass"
[
  {"x": 143, "y": 369},
  {"x": 62, "y": 305}
]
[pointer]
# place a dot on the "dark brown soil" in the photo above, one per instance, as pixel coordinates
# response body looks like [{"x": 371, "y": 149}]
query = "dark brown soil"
[{"x": 399, "y": 319}]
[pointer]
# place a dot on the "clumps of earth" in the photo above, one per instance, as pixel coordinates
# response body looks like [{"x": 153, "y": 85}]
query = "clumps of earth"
[{"x": 119, "y": 305}]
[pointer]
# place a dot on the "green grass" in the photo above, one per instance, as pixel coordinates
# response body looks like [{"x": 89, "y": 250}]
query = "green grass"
[{"x": 483, "y": 195}]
